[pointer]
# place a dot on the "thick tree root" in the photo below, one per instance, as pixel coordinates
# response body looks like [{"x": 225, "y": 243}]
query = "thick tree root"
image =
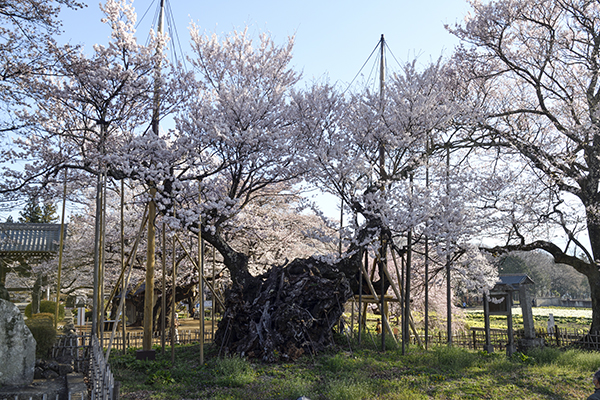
[{"x": 292, "y": 313}]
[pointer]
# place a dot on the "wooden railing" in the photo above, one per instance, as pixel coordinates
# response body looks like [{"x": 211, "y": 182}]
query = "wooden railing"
[
  {"x": 134, "y": 338},
  {"x": 475, "y": 338}
]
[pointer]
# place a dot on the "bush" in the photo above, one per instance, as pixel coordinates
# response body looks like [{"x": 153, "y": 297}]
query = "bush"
[
  {"x": 45, "y": 316},
  {"x": 47, "y": 307},
  {"x": 42, "y": 328}
]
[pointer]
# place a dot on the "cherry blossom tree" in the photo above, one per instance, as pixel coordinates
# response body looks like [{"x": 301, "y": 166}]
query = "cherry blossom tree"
[
  {"x": 245, "y": 137},
  {"x": 536, "y": 65},
  {"x": 26, "y": 27},
  {"x": 399, "y": 163}
]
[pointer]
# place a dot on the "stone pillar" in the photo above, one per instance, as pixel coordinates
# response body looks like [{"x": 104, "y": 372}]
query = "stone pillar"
[
  {"x": 527, "y": 312},
  {"x": 529, "y": 340},
  {"x": 17, "y": 347},
  {"x": 36, "y": 295},
  {"x": 3, "y": 292}
]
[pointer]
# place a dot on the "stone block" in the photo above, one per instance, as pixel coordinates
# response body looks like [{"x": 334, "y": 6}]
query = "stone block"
[
  {"x": 17, "y": 347},
  {"x": 145, "y": 355}
]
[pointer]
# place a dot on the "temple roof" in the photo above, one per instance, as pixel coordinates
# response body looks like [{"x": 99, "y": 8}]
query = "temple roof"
[
  {"x": 511, "y": 282},
  {"x": 29, "y": 238}
]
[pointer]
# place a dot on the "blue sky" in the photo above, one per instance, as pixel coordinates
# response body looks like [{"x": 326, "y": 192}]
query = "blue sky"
[{"x": 333, "y": 38}]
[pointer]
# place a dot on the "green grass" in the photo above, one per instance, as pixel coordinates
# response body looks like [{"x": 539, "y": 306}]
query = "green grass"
[{"x": 363, "y": 373}]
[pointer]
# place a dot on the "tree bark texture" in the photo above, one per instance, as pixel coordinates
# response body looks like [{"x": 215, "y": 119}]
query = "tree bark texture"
[{"x": 292, "y": 312}]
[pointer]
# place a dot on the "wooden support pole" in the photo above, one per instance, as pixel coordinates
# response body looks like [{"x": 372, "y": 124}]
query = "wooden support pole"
[
  {"x": 130, "y": 257},
  {"x": 360, "y": 277},
  {"x": 102, "y": 260},
  {"x": 124, "y": 286},
  {"x": 150, "y": 261},
  {"x": 399, "y": 295},
  {"x": 406, "y": 317},
  {"x": 163, "y": 304},
  {"x": 209, "y": 286},
  {"x": 201, "y": 276},
  {"x": 382, "y": 276},
  {"x": 377, "y": 300},
  {"x": 173, "y": 295},
  {"x": 212, "y": 309}
]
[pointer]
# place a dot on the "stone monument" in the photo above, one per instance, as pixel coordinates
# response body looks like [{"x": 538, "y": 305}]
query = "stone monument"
[{"x": 17, "y": 347}]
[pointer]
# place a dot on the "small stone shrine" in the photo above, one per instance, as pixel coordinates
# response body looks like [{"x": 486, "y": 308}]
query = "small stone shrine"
[{"x": 17, "y": 347}]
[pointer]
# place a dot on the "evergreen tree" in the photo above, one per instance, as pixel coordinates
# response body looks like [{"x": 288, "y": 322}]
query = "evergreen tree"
[{"x": 36, "y": 213}]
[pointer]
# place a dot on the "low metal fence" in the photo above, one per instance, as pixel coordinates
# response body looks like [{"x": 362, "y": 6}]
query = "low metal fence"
[{"x": 102, "y": 384}]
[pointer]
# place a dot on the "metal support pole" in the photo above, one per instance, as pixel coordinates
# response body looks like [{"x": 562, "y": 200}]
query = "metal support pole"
[{"x": 60, "y": 250}]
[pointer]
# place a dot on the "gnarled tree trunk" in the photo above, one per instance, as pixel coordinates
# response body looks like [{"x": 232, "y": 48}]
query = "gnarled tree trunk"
[
  {"x": 291, "y": 309},
  {"x": 292, "y": 313}
]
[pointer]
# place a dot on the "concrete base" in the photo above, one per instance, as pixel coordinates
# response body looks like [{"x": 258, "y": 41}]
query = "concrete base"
[
  {"x": 510, "y": 350},
  {"x": 76, "y": 387},
  {"x": 71, "y": 386},
  {"x": 40, "y": 389},
  {"x": 145, "y": 355},
  {"x": 527, "y": 344}
]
